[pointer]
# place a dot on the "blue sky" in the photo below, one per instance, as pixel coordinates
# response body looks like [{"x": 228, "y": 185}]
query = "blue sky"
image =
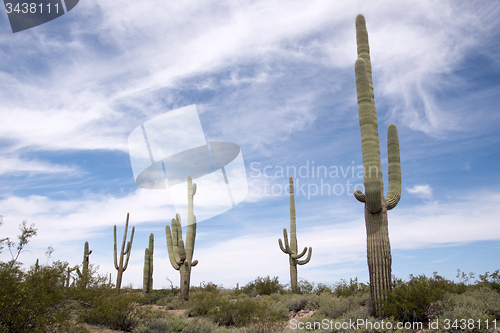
[{"x": 276, "y": 78}]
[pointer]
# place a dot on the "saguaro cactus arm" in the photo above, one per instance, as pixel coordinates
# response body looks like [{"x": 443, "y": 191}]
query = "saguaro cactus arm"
[
  {"x": 305, "y": 261},
  {"x": 369, "y": 140},
  {"x": 394, "y": 192},
  {"x": 114, "y": 248},
  {"x": 286, "y": 248},
  {"x": 191, "y": 223},
  {"x": 170, "y": 247}
]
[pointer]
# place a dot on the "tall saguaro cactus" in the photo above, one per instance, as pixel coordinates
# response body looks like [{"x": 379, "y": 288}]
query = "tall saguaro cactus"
[
  {"x": 292, "y": 248},
  {"x": 181, "y": 257},
  {"x": 147, "y": 284},
  {"x": 376, "y": 205},
  {"x": 121, "y": 266},
  {"x": 84, "y": 274}
]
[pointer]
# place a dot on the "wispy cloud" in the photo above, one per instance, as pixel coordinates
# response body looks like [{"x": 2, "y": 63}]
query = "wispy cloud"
[
  {"x": 16, "y": 166},
  {"x": 421, "y": 191}
]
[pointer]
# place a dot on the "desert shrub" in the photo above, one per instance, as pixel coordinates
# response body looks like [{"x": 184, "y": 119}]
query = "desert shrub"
[
  {"x": 34, "y": 300},
  {"x": 479, "y": 304},
  {"x": 263, "y": 286},
  {"x": 491, "y": 281},
  {"x": 202, "y": 302},
  {"x": 335, "y": 307},
  {"x": 113, "y": 310},
  {"x": 322, "y": 288},
  {"x": 343, "y": 289},
  {"x": 237, "y": 312},
  {"x": 199, "y": 327},
  {"x": 410, "y": 301},
  {"x": 297, "y": 303},
  {"x": 305, "y": 287},
  {"x": 171, "y": 302},
  {"x": 172, "y": 324},
  {"x": 209, "y": 287}
]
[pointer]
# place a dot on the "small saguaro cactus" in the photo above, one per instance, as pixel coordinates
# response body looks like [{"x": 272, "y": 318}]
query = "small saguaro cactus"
[
  {"x": 376, "y": 205},
  {"x": 182, "y": 258},
  {"x": 68, "y": 276},
  {"x": 121, "y": 266},
  {"x": 292, "y": 248},
  {"x": 84, "y": 274},
  {"x": 147, "y": 284}
]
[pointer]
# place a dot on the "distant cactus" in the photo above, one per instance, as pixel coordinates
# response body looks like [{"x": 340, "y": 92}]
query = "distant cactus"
[
  {"x": 180, "y": 257},
  {"x": 292, "y": 248},
  {"x": 147, "y": 285},
  {"x": 69, "y": 270},
  {"x": 84, "y": 274},
  {"x": 120, "y": 266},
  {"x": 376, "y": 206}
]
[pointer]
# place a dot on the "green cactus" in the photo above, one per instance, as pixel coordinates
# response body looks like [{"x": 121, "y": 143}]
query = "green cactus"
[
  {"x": 147, "y": 284},
  {"x": 120, "y": 266},
  {"x": 182, "y": 258},
  {"x": 68, "y": 276},
  {"x": 376, "y": 205},
  {"x": 84, "y": 274},
  {"x": 292, "y": 248}
]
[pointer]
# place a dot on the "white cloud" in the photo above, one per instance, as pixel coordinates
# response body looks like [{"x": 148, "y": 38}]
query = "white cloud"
[
  {"x": 421, "y": 191},
  {"x": 230, "y": 259},
  {"x": 124, "y": 55},
  {"x": 15, "y": 165}
]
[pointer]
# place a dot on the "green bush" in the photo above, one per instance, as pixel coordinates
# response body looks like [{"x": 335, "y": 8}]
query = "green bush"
[
  {"x": 297, "y": 303},
  {"x": 172, "y": 324},
  {"x": 113, "y": 310},
  {"x": 199, "y": 327},
  {"x": 32, "y": 301},
  {"x": 410, "y": 301},
  {"x": 344, "y": 289},
  {"x": 322, "y": 288},
  {"x": 491, "y": 281},
  {"x": 475, "y": 306},
  {"x": 331, "y": 306},
  {"x": 237, "y": 312},
  {"x": 171, "y": 302},
  {"x": 263, "y": 286}
]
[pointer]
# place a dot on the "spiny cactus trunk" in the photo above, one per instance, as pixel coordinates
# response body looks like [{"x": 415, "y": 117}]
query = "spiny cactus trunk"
[
  {"x": 148, "y": 266},
  {"x": 145, "y": 279},
  {"x": 379, "y": 255},
  {"x": 119, "y": 276},
  {"x": 185, "y": 271},
  {"x": 293, "y": 275}
]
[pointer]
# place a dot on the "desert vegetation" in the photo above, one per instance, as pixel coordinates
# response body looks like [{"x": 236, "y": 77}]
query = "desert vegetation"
[{"x": 39, "y": 298}]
